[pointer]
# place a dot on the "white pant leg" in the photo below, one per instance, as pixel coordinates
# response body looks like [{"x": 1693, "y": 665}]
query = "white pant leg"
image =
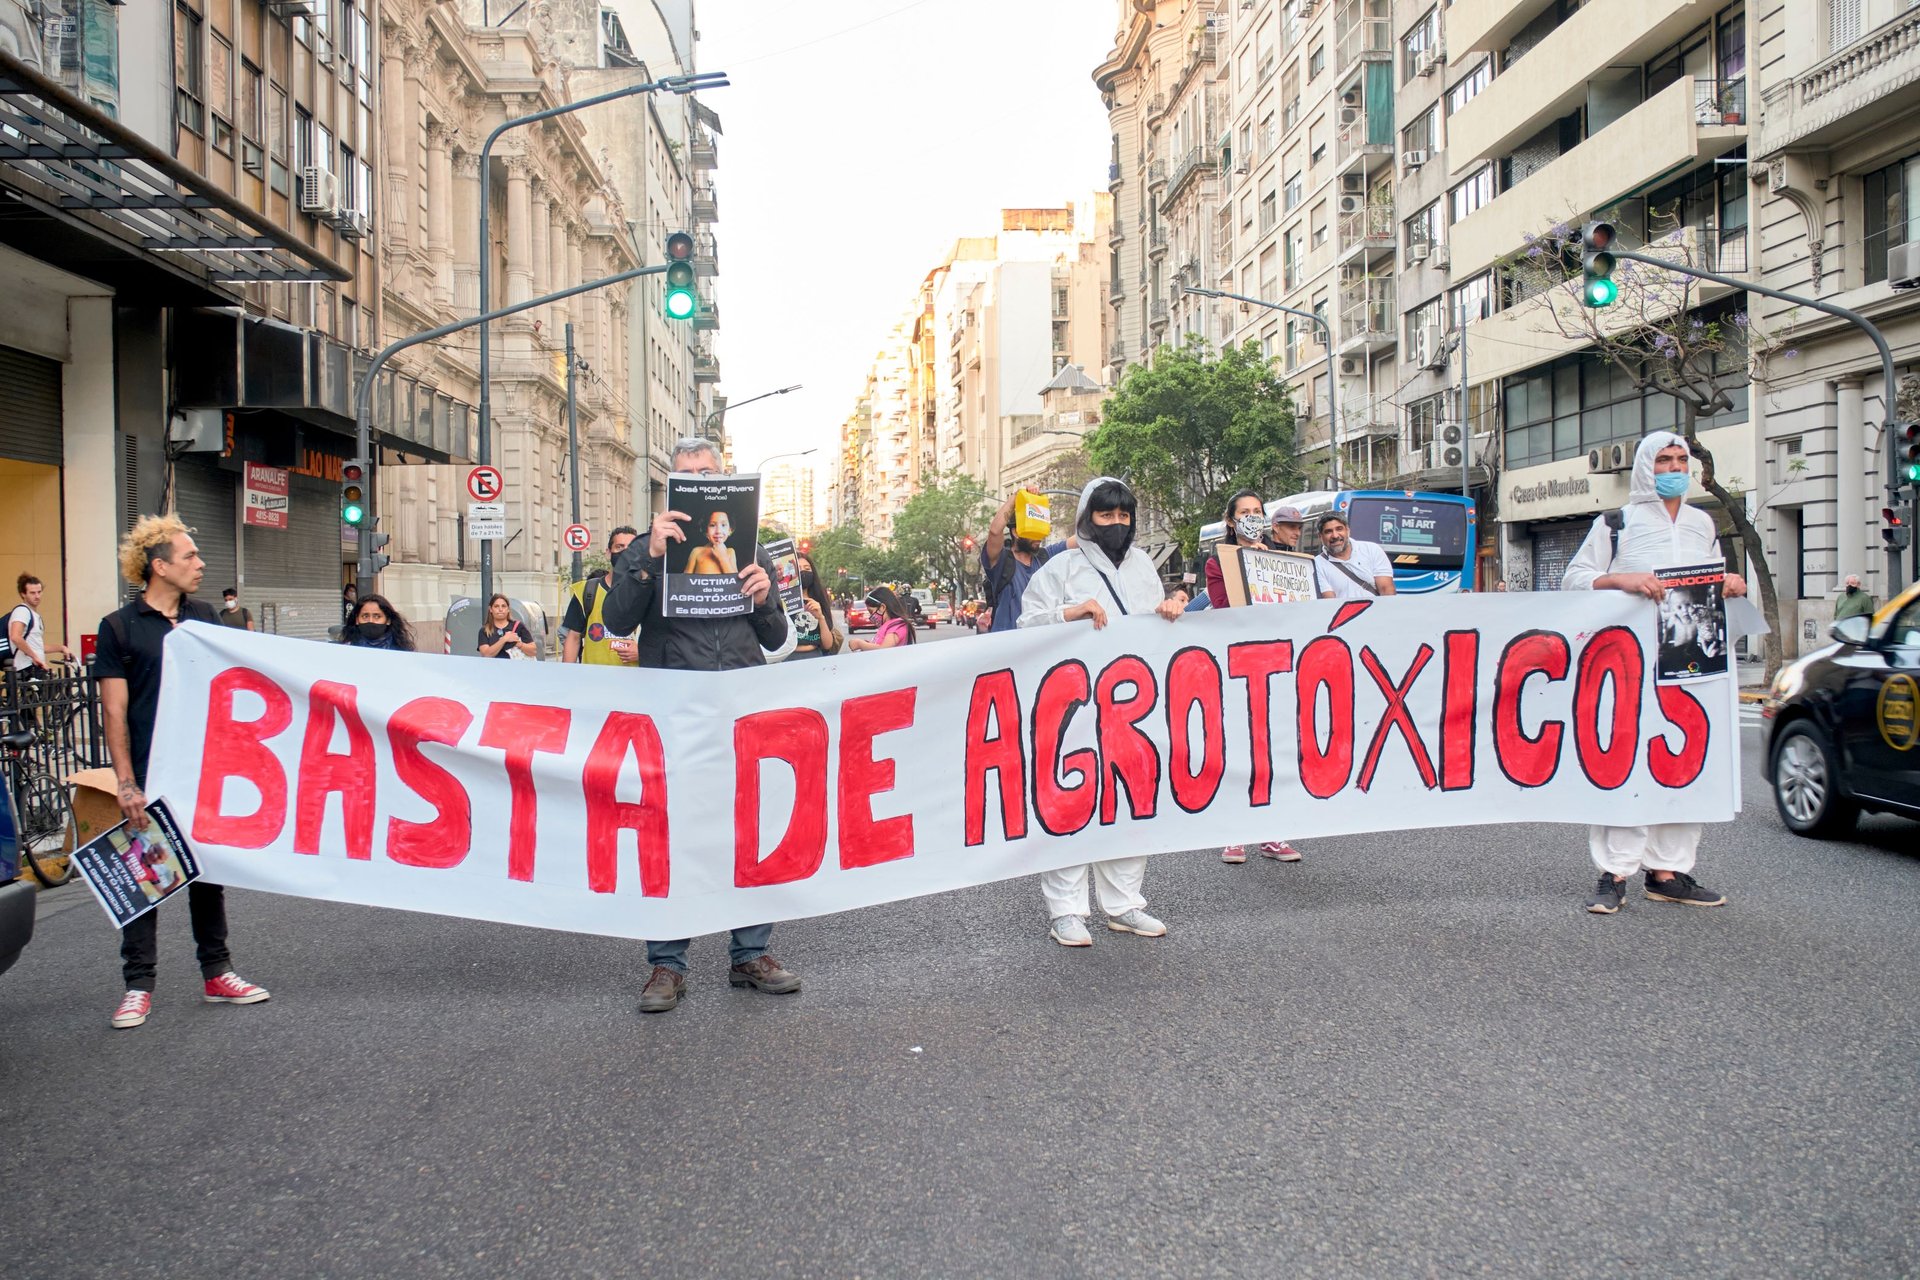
[
  {"x": 1671, "y": 846},
  {"x": 1118, "y": 881},
  {"x": 1065, "y": 891},
  {"x": 1618, "y": 851}
]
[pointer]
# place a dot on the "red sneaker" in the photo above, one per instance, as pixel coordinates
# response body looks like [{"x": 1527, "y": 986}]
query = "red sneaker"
[
  {"x": 231, "y": 988},
  {"x": 133, "y": 1010},
  {"x": 1279, "y": 851},
  {"x": 1234, "y": 853}
]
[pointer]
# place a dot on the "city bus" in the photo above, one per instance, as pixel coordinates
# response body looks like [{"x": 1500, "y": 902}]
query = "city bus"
[{"x": 1430, "y": 537}]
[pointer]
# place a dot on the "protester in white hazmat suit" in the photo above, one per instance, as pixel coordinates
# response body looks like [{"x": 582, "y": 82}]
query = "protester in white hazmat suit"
[
  {"x": 1658, "y": 531},
  {"x": 1101, "y": 578}
]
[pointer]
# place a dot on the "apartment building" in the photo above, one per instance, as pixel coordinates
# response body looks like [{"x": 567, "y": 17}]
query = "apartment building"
[
  {"x": 1836, "y": 150},
  {"x": 1632, "y": 108},
  {"x": 190, "y": 263},
  {"x": 787, "y": 498}
]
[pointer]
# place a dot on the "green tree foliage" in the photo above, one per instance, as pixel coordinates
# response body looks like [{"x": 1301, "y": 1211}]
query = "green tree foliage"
[
  {"x": 1192, "y": 427},
  {"x": 841, "y": 547},
  {"x": 937, "y": 525}
]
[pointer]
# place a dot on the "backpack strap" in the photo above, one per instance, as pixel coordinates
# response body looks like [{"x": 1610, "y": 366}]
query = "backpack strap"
[
  {"x": 591, "y": 597},
  {"x": 1616, "y": 521}
]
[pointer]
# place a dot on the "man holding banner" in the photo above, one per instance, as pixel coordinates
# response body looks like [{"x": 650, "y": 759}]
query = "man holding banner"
[
  {"x": 1657, "y": 529},
  {"x": 701, "y": 644},
  {"x": 1105, "y": 568}
]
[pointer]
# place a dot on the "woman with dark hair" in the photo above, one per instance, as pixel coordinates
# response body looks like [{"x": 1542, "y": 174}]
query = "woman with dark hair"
[
  {"x": 816, "y": 636},
  {"x": 894, "y": 632},
  {"x": 1246, "y": 518},
  {"x": 502, "y": 636},
  {"x": 1101, "y": 577},
  {"x": 376, "y": 624}
]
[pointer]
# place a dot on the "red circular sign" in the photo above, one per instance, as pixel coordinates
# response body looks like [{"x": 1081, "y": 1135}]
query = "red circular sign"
[
  {"x": 485, "y": 483},
  {"x": 577, "y": 537}
]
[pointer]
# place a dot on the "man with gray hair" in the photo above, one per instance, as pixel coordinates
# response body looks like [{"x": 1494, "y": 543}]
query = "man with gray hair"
[
  {"x": 699, "y": 644},
  {"x": 1854, "y": 602}
]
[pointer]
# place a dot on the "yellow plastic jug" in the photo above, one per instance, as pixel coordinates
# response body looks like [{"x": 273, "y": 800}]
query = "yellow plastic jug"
[{"x": 1032, "y": 516}]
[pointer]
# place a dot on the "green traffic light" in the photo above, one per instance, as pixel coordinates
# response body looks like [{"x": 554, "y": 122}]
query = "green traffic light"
[
  {"x": 1913, "y": 473},
  {"x": 352, "y": 513},
  {"x": 679, "y": 305},
  {"x": 1601, "y": 292}
]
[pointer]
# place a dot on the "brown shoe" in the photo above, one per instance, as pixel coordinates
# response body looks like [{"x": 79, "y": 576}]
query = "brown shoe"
[
  {"x": 765, "y": 974},
  {"x": 663, "y": 990}
]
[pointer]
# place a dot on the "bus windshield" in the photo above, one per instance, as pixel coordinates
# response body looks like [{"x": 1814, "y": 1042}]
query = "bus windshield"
[{"x": 1412, "y": 530}]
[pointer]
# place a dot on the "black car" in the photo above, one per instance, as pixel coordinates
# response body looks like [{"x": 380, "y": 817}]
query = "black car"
[{"x": 1845, "y": 724}]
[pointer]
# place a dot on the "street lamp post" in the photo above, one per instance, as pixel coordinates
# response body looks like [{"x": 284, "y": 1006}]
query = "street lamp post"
[
  {"x": 1333, "y": 384},
  {"x": 671, "y": 84},
  {"x": 720, "y": 414},
  {"x": 797, "y": 453}
]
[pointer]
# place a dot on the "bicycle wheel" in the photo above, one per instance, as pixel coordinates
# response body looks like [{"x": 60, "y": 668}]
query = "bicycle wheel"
[
  {"x": 81, "y": 743},
  {"x": 48, "y": 832}
]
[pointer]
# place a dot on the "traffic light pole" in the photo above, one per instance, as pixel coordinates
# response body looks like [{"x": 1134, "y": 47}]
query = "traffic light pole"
[
  {"x": 573, "y": 442},
  {"x": 1333, "y": 383},
  {"x": 363, "y": 394},
  {"x": 1866, "y": 326}
]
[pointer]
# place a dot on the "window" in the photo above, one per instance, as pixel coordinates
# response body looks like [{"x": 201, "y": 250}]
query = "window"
[
  {"x": 1885, "y": 192},
  {"x": 1316, "y": 61},
  {"x": 1290, "y": 98},
  {"x": 1468, "y": 88},
  {"x": 1293, "y": 345},
  {"x": 1428, "y": 315},
  {"x": 1843, "y": 24},
  {"x": 1296, "y": 255},
  {"x": 1472, "y": 194},
  {"x": 1473, "y": 300},
  {"x": 1423, "y": 422},
  {"x": 220, "y": 95},
  {"x": 1317, "y": 140},
  {"x": 349, "y": 198},
  {"x": 1269, "y": 212},
  {"x": 1294, "y": 190},
  {"x": 1419, "y": 136},
  {"x": 189, "y": 58},
  {"x": 1424, "y": 36},
  {"x": 1425, "y": 227},
  {"x": 253, "y": 120},
  {"x": 1319, "y": 220}
]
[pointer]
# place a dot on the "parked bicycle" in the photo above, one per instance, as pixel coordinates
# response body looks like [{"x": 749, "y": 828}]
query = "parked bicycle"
[{"x": 43, "y": 812}]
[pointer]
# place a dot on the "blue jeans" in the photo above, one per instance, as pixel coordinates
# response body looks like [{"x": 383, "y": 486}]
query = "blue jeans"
[{"x": 746, "y": 946}]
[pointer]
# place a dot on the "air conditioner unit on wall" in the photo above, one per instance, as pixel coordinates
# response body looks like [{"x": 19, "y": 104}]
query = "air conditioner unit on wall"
[
  {"x": 1903, "y": 265},
  {"x": 1441, "y": 256},
  {"x": 1347, "y": 116},
  {"x": 1416, "y": 253},
  {"x": 351, "y": 225},
  {"x": 1450, "y": 433},
  {"x": 318, "y": 191},
  {"x": 1412, "y": 159},
  {"x": 1427, "y": 64},
  {"x": 1353, "y": 184},
  {"x": 1352, "y": 204},
  {"x": 1351, "y": 367}
]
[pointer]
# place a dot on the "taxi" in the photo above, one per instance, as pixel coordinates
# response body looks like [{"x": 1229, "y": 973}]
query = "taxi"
[{"x": 1844, "y": 724}]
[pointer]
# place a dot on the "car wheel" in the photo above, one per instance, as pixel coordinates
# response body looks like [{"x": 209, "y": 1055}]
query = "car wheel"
[{"x": 1806, "y": 785}]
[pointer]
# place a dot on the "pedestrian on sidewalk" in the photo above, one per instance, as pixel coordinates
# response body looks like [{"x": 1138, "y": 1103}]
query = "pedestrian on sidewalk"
[
  {"x": 1103, "y": 571},
  {"x": 1853, "y": 602},
  {"x": 1248, "y": 526},
  {"x": 26, "y": 632},
  {"x": 377, "y": 625},
  {"x": 158, "y": 556},
  {"x": 231, "y": 614},
  {"x": 894, "y": 632},
  {"x": 587, "y": 639},
  {"x": 505, "y": 636},
  {"x": 700, "y": 644},
  {"x": 1656, "y": 530}
]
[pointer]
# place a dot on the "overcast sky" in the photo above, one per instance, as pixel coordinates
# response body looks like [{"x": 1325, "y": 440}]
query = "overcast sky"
[{"x": 861, "y": 139}]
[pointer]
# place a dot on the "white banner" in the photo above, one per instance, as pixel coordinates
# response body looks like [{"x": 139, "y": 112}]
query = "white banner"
[{"x": 665, "y": 804}]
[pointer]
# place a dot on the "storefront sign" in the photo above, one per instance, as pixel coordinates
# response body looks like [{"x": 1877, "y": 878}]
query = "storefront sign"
[{"x": 266, "y": 496}]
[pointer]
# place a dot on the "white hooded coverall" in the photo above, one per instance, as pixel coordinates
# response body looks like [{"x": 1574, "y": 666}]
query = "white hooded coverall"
[
  {"x": 1650, "y": 539},
  {"x": 1130, "y": 588}
]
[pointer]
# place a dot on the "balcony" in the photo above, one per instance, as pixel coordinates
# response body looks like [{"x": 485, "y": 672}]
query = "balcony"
[
  {"x": 1157, "y": 243},
  {"x": 1662, "y": 135},
  {"x": 1366, "y": 232},
  {"x": 1116, "y": 233},
  {"x": 706, "y": 205},
  {"x": 707, "y": 318},
  {"x": 705, "y": 367},
  {"x": 1156, "y": 106},
  {"x": 1850, "y": 94},
  {"x": 1561, "y": 74},
  {"x": 1366, "y": 316},
  {"x": 1363, "y": 32},
  {"x": 1113, "y": 177},
  {"x": 702, "y": 151},
  {"x": 1201, "y": 162},
  {"x": 706, "y": 255},
  {"x": 1367, "y": 417},
  {"x": 1157, "y": 174},
  {"x": 1157, "y": 313},
  {"x": 1117, "y": 353},
  {"x": 1362, "y": 142},
  {"x": 1116, "y": 292}
]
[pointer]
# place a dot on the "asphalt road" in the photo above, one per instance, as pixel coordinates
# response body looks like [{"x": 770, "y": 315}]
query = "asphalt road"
[{"x": 1409, "y": 1055}]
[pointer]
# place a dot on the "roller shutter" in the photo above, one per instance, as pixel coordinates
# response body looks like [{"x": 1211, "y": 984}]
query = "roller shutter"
[
  {"x": 293, "y": 574},
  {"x": 204, "y": 496},
  {"x": 29, "y": 407},
  {"x": 1554, "y": 546}
]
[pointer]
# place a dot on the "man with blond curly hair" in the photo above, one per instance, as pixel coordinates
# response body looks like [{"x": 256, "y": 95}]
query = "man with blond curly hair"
[{"x": 158, "y": 556}]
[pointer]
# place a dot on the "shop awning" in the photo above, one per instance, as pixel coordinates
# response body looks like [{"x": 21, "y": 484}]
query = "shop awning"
[{"x": 82, "y": 191}]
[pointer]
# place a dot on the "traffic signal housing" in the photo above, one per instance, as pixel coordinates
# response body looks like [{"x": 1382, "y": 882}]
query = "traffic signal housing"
[
  {"x": 353, "y": 492},
  {"x": 1910, "y": 453},
  {"x": 1597, "y": 285},
  {"x": 681, "y": 300},
  {"x": 1898, "y": 533},
  {"x": 375, "y": 559}
]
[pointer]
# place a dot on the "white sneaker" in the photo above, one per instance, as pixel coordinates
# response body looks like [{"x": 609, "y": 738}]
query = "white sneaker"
[
  {"x": 1137, "y": 921},
  {"x": 1070, "y": 931}
]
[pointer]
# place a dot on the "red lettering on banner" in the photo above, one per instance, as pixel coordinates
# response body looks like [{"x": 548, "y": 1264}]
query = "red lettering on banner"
[
  {"x": 798, "y": 736},
  {"x": 1194, "y": 677},
  {"x": 237, "y": 749},
  {"x": 1613, "y": 655},
  {"x": 1527, "y": 761},
  {"x": 1003, "y": 755},
  {"x": 1680, "y": 768},
  {"x": 1460, "y": 713},
  {"x": 865, "y": 842},
  {"x": 1395, "y": 716},
  {"x": 353, "y": 774},
  {"x": 1062, "y": 809},
  {"x": 1326, "y": 663},
  {"x": 1257, "y": 662},
  {"x": 520, "y": 729},
  {"x": 1127, "y": 756},
  {"x": 625, "y": 733},
  {"x": 447, "y": 839}
]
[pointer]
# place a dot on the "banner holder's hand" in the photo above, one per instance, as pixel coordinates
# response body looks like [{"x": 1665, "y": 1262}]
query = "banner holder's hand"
[
  {"x": 754, "y": 583},
  {"x": 666, "y": 527},
  {"x": 1086, "y": 609}
]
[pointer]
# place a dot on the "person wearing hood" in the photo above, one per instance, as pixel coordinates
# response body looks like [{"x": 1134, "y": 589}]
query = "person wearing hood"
[
  {"x": 1656, "y": 530},
  {"x": 1101, "y": 576}
]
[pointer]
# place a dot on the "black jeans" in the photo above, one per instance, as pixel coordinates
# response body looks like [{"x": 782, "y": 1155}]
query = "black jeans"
[{"x": 140, "y": 941}]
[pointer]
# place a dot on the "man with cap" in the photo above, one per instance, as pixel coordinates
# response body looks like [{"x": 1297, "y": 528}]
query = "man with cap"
[
  {"x": 1656, "y": 530},
  {"x": 1287, "y": 523}
]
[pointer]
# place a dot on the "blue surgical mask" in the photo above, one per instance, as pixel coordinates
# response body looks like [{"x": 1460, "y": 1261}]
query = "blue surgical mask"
[{"x": 1672, "y": 484}]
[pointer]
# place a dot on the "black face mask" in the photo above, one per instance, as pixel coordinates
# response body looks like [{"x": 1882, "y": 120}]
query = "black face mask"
[
  {"x": 1851, "y": 589},
  {"x": 371, "y": 630},
  {"x": 1114, "y": 539},
  {"x": 807, "y": 579}
]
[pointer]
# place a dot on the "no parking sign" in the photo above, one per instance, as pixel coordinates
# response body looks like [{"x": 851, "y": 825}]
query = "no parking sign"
[{"x": 576, "y": 537}]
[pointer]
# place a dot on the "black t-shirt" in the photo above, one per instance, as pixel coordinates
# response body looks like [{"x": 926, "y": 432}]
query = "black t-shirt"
[
  {"x": 238, "y": 619},
  {"x": 129, "y": 648},
  {"x": 488, "y": 636}
]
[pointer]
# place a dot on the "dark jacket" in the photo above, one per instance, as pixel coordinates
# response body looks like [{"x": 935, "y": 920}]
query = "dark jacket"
[{"x": 688, "y": 644}]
